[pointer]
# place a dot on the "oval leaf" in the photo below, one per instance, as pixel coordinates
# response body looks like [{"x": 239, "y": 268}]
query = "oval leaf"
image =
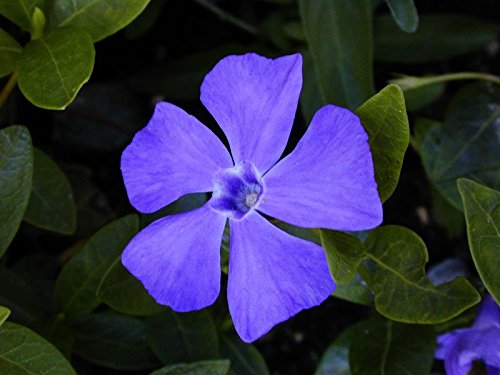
[
  {"x": 384, "y": 119},
  {"x": 124, "y": 293},
  {"x": 4, "y": 314},
  {"x": 51, "y": 205},
  {"x": 356, "y": 290},
  {"x": 439, "y": 36},
  {"x": 404, "y": 13},
  {"x": 16, "y": 170},
  {"x": 186, "y": 337},
  {"x": 343, "y": 253},
  {"x": 115, "y": 341},
  {"x": 10, "y": 52},
  {"x": 77, "y": 284},
  {"x": 466, "y": 145},
  {"x": 218, "y": 367},
  {"x": 383, "y": 347},
  {"x": 24, "y": 352},
  {"x": 245, "y": 358},
  {"x": 402, "y": 291},
  {"x": 482, "y": 215},
  {"x": 99, "y": 18},
  {"x": 62, "y": 60},
  {"x": 340, "y": 42}
]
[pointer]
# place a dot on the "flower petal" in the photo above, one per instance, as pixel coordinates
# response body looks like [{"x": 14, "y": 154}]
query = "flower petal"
[
  {"x": 173, "y": 155},
  {"x": 177, "y": 258},
  {"x": 488, "y": 314},
  {"x": 328, "y": 180},
  {"x": 272, "y": 276},
  {"x": 254, "y": 99}
]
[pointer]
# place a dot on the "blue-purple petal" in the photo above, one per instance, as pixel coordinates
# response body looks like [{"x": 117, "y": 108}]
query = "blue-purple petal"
[
  {"x": 328, "y": 180},
  {"x": 254, "y": 100},
  {"x": 172, "y": 156},
  {"x": 177, "y": 258},
  {"x": 272, "y": 276}
]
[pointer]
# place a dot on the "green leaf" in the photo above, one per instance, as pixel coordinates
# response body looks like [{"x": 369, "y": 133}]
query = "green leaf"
[
  {"x": 10, "y": 52},
  {"x": 16, "y": 169},
  {"x": 20, "y": 12},
  {"x": 439, "y": 36},
  {"x": 384, "y": 347},
  {"x": 482, "y": 214},
  {"x": 77, "y": 284},
  {"x": 23, "y": 352},
  {"x": 421, "y": 97},
  {"x": 4, "y": 314},
  {"x": 51, "y": 205},
  {"x": 384, "y": 119},
  {"x": 335, "y": 360},
  {"x": 340, "y": 41},
  {"x": 115, "y": 341},
  {"x": 402, "y": 291},
  {"x": 124, "y": 293},
  {"x": 356, "y": 291},
  {"x": 99, "y": 18},
  {"x": 245, "y": 358},
  {"x": 405, "y": 14},
  {"x": 186, "y": 337},
  {"x": 466, "y": 145},
  {"x": 216, "y": 367},
  {"x": 343, "y": 253},
  {"x": 63, "y": 60}
]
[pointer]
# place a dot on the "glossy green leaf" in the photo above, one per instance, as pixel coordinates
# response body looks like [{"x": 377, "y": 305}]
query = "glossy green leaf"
[
  {"x": 99, "y": 18},
  {"x": 343, "y": 253},
  {"x": 124, "y": 293},
  {"x": 482, "y": 214},
  {"x": 384, "y": 119},
  {"x": 115, "y": 341},
  {"x": 182, "y": 337},
  {"x": 439, "y": 36},
  {"x": 404, "y": 13},
  {"x": 16, "y": 170},
  {"x": 356, "y": 291},
  {"x": 4, "y": 314},
  {"x": 77, "y": 284},
  {"x": 23, "y": 352},
  {"x": 245, "y": 358},
  {"x": 51, "y": 205},
  {"x": 340, "y": 42},
  {"x": 10, "y": 52},
  {"x": 384, "y": 347},
  {"x": 20, "y": 12},
  {"x": 466, "y": 145},
  {"x": 402, "y": 291},
  {"x": 54, "y": 68},
  {"x": 216, "y": 367}
]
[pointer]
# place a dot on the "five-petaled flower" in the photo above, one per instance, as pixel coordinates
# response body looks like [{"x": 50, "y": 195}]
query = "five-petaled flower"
[
  {"x": 326, "y": 182},
  {"x": 461, "y": 347}
]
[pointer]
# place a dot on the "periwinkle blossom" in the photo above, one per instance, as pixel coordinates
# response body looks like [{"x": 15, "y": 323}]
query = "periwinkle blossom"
[
  {"x": 481, "y": 342},
  {"x": 326, "y": 182}
]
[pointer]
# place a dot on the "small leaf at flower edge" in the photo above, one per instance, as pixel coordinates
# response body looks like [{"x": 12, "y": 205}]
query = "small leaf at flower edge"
[
  {"x": 402, "y": 291},
  {"x": 482, "y": 215},
  {"x": 384, "y": 119},
  {"x": 16, "y": 170}
]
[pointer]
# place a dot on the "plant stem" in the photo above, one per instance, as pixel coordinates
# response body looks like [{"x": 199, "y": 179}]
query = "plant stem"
[
  {"x": 227, "y": 16},
  {"x": 409, "y": 82},
  {"x": 11, "y": 83}
]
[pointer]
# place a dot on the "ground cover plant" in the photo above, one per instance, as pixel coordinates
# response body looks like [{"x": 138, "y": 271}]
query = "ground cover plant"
[{"x": 249, "y": 187}]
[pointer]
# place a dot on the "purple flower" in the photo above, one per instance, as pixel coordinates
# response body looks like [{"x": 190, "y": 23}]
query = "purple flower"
[
  {"x": 460, "y": 348},
  {"x": 326, "y": 182}
]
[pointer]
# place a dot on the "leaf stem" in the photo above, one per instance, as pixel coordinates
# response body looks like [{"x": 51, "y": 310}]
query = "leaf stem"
[
  {"x": 228, "y": 17},
  {"x": 410, "y": 82},
  {"x": 9, "y": 86}
]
